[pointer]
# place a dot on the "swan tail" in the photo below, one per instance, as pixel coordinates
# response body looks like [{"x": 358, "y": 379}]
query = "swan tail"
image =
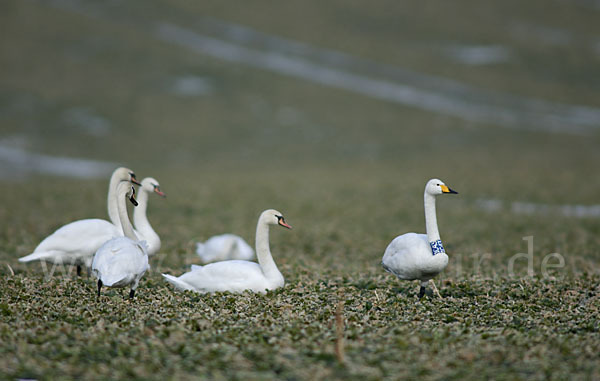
[
  {"x": 111, "y": 281},
  {"x": 37, "y": 256},
  {"x": 177, "y": 283}
]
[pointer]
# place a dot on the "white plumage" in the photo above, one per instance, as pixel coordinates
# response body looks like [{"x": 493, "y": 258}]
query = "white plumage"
[
  {"x": 409, "y": 257},
  {"x": 233, "y": 276},
  {"x": 76, "y": 242},
  {"x": 224, "y": 247},
  {"x": 122, "y": 261},
  {"x": 413, "y": 256},
  {"x": 143, "y": 229},
  {"x": 237, "y": 275}
]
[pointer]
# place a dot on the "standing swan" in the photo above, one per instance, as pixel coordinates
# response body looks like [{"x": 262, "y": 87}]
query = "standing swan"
[
  {"x": 420, "y": 256},
  {"x": 122, "y": 261},
  {"x": 76, "y": 243},
  {"x": 236, "y": 275},
  {"x": 143, "y": 229},
  {"x": 224, "y": 247}
]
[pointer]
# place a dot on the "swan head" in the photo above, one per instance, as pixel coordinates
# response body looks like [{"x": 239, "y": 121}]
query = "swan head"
[
  {"x": 150, "y": 185},
  {"x": 127, "y": 190},
  {"x": 125, "y": 174},
  {"x": 273, "y": 217},
  {"x": 435, "y": 187}
]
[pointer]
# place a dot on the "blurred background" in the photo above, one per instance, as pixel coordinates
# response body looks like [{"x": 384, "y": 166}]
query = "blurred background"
[{"x": 335, "y": 112}]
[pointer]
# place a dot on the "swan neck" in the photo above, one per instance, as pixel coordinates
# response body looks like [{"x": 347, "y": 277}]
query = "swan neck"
[
  {"x": 123, "y": 217},
  {"x": 263, "y": 252},
  {"x": 142, "y": 225},
  {"x": 113, "y": 209},
  {"x": 433, "y": 234},
  {"x": 140, "y": 210}
]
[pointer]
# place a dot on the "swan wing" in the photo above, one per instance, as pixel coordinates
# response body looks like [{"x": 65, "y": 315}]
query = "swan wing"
[
  {"x": 405, "y": 255},
  {"x": 180, "y": 285},
  {"x": 71, "y": 242},
  {"x": 242, "y": 250},
  {"x": 234, "y": 276},
  {"x": 215, "y": 248},
  {"x": 120, "y": 262},
  {"x": 224, "y": 247}
]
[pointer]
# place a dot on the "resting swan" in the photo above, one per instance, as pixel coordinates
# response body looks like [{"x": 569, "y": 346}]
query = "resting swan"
[
  {"x": 76, "y": 243},
  {"x": 121, "y": 261},
  {"x": 236, "y": 275},
  {"x": 224, "y": 247},
  {"x": 143, "y": 229},
  {"x": 420, "y": 256}
]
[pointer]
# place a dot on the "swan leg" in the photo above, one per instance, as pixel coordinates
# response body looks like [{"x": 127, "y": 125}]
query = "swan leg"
[
  {"x": 99, "y": 286},
  {"x": 422, "y": 289},
  {"x": 78, "y": 270},
  {"x": 131, "y": 294},
  {"x": 435, "y": 290}
]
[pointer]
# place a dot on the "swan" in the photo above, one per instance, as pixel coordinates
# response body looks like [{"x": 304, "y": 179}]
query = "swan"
[
  {"x": 76, "y": 242},
  {"x": 122, "y": 261},
  {"x": 224, "y": 247},
  {"x": 118, "y": 175},
  {"x": 420, "y": 256},
  {"x": 237, "y": 275},
  {"x": 143, "y": 229}
]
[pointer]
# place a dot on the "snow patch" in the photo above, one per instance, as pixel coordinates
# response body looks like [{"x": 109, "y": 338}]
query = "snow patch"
[
  {"x": 480, "y": 54},
  {"x": 16, "y": 162},
  {"x": 192, "y": 86},
  {"x": 87, "y": 121},
  {"x": 532, "y": 208}
]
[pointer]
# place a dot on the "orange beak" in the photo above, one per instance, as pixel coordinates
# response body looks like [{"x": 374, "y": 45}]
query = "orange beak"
[
  {"x": 445, "y": 189},
  {"x": 282, "y": 223}
]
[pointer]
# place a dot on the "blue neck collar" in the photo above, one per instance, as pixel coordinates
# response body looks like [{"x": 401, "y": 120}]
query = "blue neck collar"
[{"x": 437, "y": 247}]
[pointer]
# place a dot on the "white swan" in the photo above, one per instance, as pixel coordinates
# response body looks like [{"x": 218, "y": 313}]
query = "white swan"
[
  {"x": 121, "y": 261},
  {"x": 420, "y": 256},
  {"x": 76, "y": 243},
  {"x": 224, "y": 247},
  {"x": 236, "y": 275},
  {"x": 143, "y": 229},
  {"x": 118, "y": 175}
]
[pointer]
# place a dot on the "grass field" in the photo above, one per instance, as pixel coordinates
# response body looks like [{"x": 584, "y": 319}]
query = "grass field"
[{"x": 228, "y": 138}]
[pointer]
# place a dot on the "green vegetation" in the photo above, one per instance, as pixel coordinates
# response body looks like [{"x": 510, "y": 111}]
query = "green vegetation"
[{"x": 347, "y": 171}]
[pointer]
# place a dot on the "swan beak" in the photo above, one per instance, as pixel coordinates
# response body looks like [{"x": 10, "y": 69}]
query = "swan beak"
[
  {"x": 134, "y": 180},
  {"x": 284, "y": 224},
  {"x": 445, "y": 189},
  {"x": 133, "y": 200},
  {"x": 158, "y": 192}
]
